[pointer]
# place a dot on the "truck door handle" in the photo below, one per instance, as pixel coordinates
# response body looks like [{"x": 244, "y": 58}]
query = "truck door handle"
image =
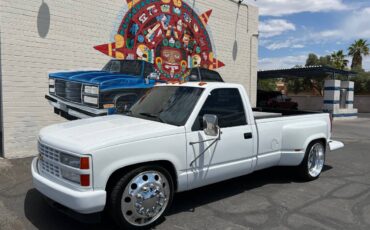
[{"x": 247, "y": 135}]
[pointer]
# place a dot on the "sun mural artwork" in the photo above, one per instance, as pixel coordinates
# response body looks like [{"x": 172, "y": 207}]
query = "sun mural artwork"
[{"x": 167, "y": 33}]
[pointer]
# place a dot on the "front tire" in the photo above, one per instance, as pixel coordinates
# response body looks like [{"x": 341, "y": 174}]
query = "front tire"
[
  {"x": 141, "y": 197},
  {"x": 313, "y": 162}
]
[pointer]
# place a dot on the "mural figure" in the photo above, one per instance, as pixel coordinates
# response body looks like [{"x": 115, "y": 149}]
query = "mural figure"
[{"x": 167, "y": 33}]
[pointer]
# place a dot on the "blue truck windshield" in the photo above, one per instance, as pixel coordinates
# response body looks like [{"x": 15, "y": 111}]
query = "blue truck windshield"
[
  {"x": 129, "y": 67},
  {"x": 167, "y": 104}
]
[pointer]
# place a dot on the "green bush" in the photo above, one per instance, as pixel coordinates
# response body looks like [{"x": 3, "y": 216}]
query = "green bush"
[{"x": 362, "y": 83}]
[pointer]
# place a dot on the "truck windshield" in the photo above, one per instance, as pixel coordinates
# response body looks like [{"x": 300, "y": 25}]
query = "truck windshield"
[
  {"x": 129, "y": 67},
  {"x": 167, "y": 104}
]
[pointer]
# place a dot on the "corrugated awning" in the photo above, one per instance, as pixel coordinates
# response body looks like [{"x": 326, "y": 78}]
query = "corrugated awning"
[{"x": 306, "y": 72}]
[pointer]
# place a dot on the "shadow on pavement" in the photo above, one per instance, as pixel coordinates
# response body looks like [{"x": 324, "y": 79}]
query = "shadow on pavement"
[{"x": 43, "y": 217}]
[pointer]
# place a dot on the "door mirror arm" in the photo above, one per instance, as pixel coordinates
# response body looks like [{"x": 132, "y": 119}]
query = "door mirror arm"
[{"x": 210, "y": 122}]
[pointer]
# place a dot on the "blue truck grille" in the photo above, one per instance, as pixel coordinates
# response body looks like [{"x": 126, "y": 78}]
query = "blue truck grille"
[{"x": 68, "y": 90}]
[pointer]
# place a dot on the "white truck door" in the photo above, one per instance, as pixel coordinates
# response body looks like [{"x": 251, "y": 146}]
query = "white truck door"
[{"x": 233, "y": 154}]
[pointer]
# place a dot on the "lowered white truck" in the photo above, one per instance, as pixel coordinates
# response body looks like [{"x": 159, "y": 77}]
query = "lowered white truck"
[{"x": 177, "y": 137}]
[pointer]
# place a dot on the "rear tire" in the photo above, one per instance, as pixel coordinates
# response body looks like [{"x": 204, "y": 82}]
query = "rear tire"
[
  {"x": 313, "y": 162},
  {"x": 141, "y": 197}
]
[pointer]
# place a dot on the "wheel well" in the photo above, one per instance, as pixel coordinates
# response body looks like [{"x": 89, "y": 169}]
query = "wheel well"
[
  {"x": 116, "y": 175},
  {"x": 322, "y": 140}
]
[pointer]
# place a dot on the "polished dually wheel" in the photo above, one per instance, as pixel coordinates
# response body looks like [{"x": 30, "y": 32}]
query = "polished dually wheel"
[
  {"x": 145, "y": 198},
  {"x": 316, "y": 159}
]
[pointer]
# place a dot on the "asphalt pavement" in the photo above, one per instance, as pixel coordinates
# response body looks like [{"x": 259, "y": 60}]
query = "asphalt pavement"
[{"x": 268, "y": 199}]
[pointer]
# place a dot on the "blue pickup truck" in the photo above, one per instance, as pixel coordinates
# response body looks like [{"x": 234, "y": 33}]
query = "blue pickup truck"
[{"x": 114, "y": 89}]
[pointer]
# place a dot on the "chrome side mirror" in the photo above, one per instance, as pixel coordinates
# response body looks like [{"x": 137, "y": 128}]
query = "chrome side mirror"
[
  {"x": 210, "y": 125},
  {"x": 153, "y": 76},
  {"x": 193, "y": 77}
]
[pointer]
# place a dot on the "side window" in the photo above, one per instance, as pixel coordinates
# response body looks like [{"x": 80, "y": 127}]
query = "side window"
[
  {"x": 148, "y": 68},
  {"x": 227, "y": 105},
  {"x": 115, "y": 67},
  {"x": 210, "y": 75}
]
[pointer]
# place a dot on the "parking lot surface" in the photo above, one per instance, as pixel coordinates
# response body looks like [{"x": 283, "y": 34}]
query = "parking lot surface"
[{"x": 268, "y": 199}]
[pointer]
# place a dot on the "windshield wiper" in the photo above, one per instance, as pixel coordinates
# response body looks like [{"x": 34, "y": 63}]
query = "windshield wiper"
[{"x": 152, "y": 115}]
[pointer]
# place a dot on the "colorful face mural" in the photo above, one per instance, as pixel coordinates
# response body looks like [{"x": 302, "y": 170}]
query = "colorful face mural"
[{"x": 167, "y": 33}]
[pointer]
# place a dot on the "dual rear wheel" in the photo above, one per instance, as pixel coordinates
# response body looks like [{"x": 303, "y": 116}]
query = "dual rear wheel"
[{"x": 313, "y": 162}]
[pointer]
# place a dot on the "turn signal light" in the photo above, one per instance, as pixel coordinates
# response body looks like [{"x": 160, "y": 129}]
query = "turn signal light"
[
  {"x": 84, "y": 163},
  {"x": 108, "y": 106}
]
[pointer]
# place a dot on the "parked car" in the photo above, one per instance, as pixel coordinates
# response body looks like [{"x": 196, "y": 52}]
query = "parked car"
[
  {"x": 114, "y": 89},
  {"x": 176, "y": 137},
  {"x": 82, "y": 94},
  {"x": 275, "y": 99}
]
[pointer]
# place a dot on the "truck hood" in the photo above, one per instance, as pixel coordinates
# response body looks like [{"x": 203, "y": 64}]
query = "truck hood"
[
  {"x": 105, "y": 80},
  {"x": 86, "y": 135}
]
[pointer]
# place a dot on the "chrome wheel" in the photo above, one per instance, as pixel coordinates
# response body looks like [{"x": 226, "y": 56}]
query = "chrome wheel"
[
  {"x": 145, "y": 198},
  {"x": 316, "y": 159}
]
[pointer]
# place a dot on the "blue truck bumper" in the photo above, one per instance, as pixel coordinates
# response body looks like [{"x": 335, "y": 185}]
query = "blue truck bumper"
[{"x": 74, "y": 110}]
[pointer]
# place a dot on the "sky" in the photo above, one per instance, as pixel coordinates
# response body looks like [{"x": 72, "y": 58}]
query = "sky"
[{"x": 291, "y": 29}]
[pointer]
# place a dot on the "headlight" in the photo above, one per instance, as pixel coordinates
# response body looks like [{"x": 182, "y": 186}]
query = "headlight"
[
  {"x": 51, "y": 85},
  {"x": 71, "y": 176},
  {"x": 91, "y": 100},
  {"x": 91, "y": 90},
  {"x": 70, "y": 160},
  {"x": 78, "y": 175},
  {"x": 81, "y": 179}
]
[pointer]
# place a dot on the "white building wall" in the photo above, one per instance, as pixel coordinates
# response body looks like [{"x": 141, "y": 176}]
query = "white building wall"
[{"x": 77, "y": 26}]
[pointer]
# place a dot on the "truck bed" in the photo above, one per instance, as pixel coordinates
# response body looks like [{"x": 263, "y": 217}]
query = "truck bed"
[
  {"x": 283, "y": 134},
  {"x": 262, "y": 112}
]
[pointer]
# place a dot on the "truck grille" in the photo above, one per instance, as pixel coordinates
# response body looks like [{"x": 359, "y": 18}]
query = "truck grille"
[
  {"x": 49, "y": 160},
  {"x": 50, "y": 168},
  {"x": 68, "y": 90}
]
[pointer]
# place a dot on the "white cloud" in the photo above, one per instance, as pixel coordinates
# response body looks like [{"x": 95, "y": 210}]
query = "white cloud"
[
  {"x": 354, "y": 26},
  {"x": 287, "y": 43},
  {"x": 286, "y": 7},
  {"x": 350, "y": 28},
  {"x": 281, "y": 62},
  {"x": 274, "y": 27}
]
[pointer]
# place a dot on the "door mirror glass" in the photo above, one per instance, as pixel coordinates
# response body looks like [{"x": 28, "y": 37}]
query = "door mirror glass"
[
  {"x": 210, "y": 124},
  {"x": 153, "y": 76},
  {"x": 193, "y": 77}
]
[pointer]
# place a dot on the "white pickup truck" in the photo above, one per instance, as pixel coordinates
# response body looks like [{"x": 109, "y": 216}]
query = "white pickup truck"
[{"x": 177, "y": 137}]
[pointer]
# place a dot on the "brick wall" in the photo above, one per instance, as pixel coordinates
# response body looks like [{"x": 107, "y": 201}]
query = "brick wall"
[{"x": 75, "y": 27}]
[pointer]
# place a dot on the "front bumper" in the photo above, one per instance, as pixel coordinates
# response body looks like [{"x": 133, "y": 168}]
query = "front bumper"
[
  {"x": 85, "y": 202},
  {"x": 75, "y": 110}
]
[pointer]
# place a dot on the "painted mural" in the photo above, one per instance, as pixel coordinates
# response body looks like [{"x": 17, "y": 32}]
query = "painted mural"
[{"x": 167, "y": 33}]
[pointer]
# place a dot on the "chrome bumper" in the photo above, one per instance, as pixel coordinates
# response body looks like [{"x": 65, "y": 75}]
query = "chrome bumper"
[{"x": 76, "y": 110}]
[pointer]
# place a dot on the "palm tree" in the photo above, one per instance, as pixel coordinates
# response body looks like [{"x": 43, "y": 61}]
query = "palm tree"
[
  {"x": 358, "y": 49},
  {"x": 338, "y": 59}
]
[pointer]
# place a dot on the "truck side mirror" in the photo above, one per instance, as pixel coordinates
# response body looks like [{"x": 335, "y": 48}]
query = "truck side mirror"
[
  {"x": 193, "y": 77},
  {"x": 210, "y": 125},
  {"x": 153, "y": 76}
]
